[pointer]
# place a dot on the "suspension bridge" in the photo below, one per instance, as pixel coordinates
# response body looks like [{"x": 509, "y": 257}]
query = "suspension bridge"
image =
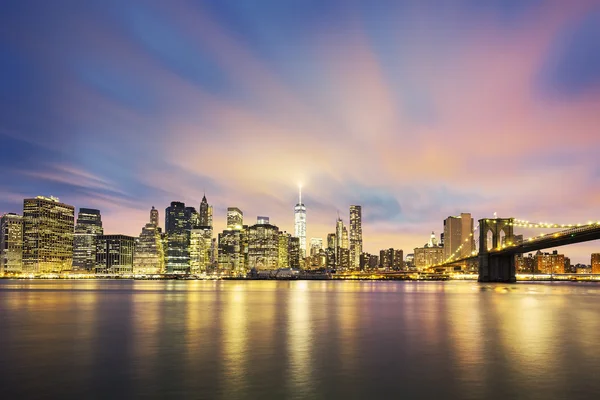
[{"x": 497, "y": 246}]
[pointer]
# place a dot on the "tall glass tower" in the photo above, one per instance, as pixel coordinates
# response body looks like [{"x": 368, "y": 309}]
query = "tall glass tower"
[{"x": 300, "y": 223}]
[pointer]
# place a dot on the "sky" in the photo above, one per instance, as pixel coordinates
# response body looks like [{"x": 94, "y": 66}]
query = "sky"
[{"x": 416, "y": 110}]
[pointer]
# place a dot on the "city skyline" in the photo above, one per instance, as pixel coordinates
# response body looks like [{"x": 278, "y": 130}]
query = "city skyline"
[{"x": 415, "y": 111}]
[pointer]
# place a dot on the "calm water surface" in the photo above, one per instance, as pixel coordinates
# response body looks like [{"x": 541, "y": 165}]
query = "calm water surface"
[{"x": 316, "y": 340}]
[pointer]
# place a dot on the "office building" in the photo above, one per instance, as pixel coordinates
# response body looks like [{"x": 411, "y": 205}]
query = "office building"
[
  {"x": 284, "y": 250},
  {"x": 458, "y": 232},
  {"x": 262, "y": 220},
  {"x": 11, "y": 244},
  {"x": 230, "y": 254},
  {"x": 200, "y": 245},
  {"x": 263, "y": 247},
  {"x": 331, "y": 241},
  {"x": 524, "y": 264},
  {"x": 431, "y": 254},
  {"x": 149, "y": 257},
  {"x": 356, "y": 242},
  {"x": 300, "y": 223},
  {"x": 339, "y": 236},
  {"x": 87, "y": 229},
  {"x": 114, "y": 254},
  {"x": 48, "y": 228},
  {"x": 294, "y": 253},
  {"x": 316, "y": 245},
  {"x": 235, "y": 218},
  {"x": 177, "y": 229}
]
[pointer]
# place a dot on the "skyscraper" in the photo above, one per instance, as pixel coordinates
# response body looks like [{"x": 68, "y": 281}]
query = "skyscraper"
[
  {"x": 205, "y": 212},
  {"x": 300, "y": 223},
  {"x": 200, "y": 243},
  {"x": 457, "y": 232},
  {"x": 114, "y": 254},
  {"x": 177, "y": 224},
  {"x": 88, "y": 228},
  {"x": 148, "y": 257},
  {"x": 355, "y": 236},
  {"x": 47, "y": 235},
  {"x": 263, "y": 246},
  {"x": 11, "y": 243},
  {"x": 316, "y": 245},
  {"x": 339, "y": 235},
  {"x": 154, "y": 217},
  {"x": 235, "y": 218}
]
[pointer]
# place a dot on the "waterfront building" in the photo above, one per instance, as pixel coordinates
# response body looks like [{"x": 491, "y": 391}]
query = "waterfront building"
[
  {"x": 235, "y": 218},
  {"x": 87, "y": 229},
  {"x": 524, "y": 264},
  {"x": 263, "y": 247},
  {"x": 11, "y": 243},
  {"x": 230, "y": 255},
  {"x": 200, "y": 245},
  {"x": 284, "y": 250},
  {"x": 356, "y": 242},
  {"x": 458, "y": 232},
  {"x": 300, "y": 223},
  {"x": 549, "y": 263},
  {"x": 596, "y": 263},
  {"x": 192, "y": 218},
  {"x": 430, "y": 254},
  {"x": 149, "y": 257},
  {"x": 114, "y": 254},
  {"x": 177, "y": 228},
  {"x": 48, "y": 228},
  {"x": 316, "y": 245}
]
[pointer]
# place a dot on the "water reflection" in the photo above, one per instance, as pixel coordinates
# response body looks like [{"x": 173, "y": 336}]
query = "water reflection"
[{"x": 169, "y": 339}]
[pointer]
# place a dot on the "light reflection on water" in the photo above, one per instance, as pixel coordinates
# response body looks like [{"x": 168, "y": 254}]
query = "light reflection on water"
[{"x": 298, "y": 339}]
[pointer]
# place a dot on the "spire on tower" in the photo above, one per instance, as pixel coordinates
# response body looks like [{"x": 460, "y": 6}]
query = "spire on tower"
[{"x": 299, "y": 193}]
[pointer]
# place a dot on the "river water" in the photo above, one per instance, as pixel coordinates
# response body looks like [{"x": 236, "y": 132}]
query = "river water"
[{"x": 298, "y": 339}]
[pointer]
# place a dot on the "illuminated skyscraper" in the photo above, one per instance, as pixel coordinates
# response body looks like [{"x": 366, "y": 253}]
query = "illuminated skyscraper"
[
  {"x": 316, "y": 245},
  {"x": 235, "y": 218},
  {"x": 88, "y": 228},
  {"x": 356, "y": 242},
  {"x": 284, "y": 250},
  {"x": 339, "y": 235},
  {"x": 11, "y": 243},
  {"x": 331, "y": 241},
  {"x": 263, "y": 247},
  {"x": 177, "y": 255},
  {"x": 200, "y": 243},
  {"x": 47, "y": 235},
  {"x": 148, "y": 257},
  {"x": 457, "y": 232},
  {"x": 230, "y": 253},
  {"x": 300, "y": 223},
  {"x": 114, "y": 254},
  {"x": 294, "y": 252}
]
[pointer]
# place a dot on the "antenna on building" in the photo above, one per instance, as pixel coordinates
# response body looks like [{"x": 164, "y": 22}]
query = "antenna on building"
[{"x": 299, "y": 193}]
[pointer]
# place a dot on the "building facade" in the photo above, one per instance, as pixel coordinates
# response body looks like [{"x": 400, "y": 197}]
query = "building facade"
[
  {"x": 356, "y": 242},
  {"x": 549, "y": 263},
  {"x": 458, "y": 231},
  {"x": 200, "y": 245},
  {"x": 149, "y": 257},
  {"x": 114, "y": 254},
  {"x": 87, "y": 229},
  {"x": 300, "y": 224},
  {"x": 48, "y": 228},
  {"x": 177, "y": 229},
  {"x": 235, "y": 218},
  {"x": 263, "y": 247},
  {"x": 11, "y": 244},
  {"x": 595, "y": 263},
  {"x": 431, "y": 254}
]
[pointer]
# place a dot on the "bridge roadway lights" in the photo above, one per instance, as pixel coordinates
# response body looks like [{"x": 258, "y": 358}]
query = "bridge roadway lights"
[{"x": 497, "y": 268}]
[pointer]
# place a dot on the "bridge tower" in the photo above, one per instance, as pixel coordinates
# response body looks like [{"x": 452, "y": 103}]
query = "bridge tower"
[{"x": 496, "y": 267}]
